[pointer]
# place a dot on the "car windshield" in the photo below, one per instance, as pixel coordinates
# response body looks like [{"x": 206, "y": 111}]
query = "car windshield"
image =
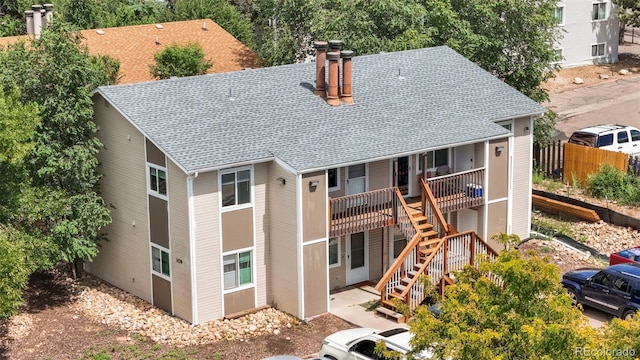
[{"x": 583, "y": 138}]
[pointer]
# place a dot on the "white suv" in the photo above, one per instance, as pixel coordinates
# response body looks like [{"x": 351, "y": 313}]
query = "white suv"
[
  {"x": 360, "y": 344},
  {"x": 621, "y": 138}
]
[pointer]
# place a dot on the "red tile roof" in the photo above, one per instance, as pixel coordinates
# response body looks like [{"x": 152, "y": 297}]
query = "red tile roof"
[{"x": 135, "y": 46}]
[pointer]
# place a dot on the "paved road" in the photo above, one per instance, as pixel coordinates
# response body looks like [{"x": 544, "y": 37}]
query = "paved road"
[{"x": 615, "y": 102}]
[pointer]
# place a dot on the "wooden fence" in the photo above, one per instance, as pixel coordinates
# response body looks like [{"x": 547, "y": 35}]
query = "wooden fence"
[{"x": 569, "y": 162}]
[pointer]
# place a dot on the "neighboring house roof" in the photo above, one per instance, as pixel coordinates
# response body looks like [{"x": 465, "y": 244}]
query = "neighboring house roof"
[
  {"x": 404, "y": 102},
  {"x": 135, "y": 46}
]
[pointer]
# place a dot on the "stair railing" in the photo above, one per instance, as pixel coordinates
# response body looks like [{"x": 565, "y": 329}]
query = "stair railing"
[{"x": 432, "y": 211}]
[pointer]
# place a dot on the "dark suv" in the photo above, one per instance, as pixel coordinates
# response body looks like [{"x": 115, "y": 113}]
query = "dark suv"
[{"x": 615, "y": 290}]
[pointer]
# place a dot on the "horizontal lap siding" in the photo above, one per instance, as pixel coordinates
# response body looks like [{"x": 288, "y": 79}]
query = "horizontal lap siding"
[
  {"x": 179, "y": 235},
  {"x": 206, "y": 217},
  {"x": 283, "y": 248},
  {"x": 521, "y": 200},
  {"x": 379, "y": 175},
  {"x": 261, "y": 223},
  {"x": 124, "y": 260}
]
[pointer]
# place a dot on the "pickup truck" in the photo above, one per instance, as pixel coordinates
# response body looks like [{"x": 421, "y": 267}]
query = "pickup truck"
[{"x": 625, "y": 256}]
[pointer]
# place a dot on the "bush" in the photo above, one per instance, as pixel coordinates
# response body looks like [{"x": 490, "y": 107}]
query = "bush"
[
  {"x": 608, "y": 182},
  {"x": 180, "y": 61}
]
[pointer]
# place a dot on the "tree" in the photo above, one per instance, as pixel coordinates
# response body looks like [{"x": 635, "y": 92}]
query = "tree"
[
  {"x": 512, "y": 39},
  {"x": 527, "y": 316},
  {"x": 179, "y": 61},
  {"x": 61, "y": 203},
  {"x": 629, "y": 15}
]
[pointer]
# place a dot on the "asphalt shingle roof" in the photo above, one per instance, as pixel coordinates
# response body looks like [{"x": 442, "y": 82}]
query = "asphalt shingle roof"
[{"x": 404, "y": 102}]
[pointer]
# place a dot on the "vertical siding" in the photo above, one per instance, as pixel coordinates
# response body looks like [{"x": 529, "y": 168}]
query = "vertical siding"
[
  {"x": 521, "y": 200},
  {"x": 261, "y": 230},
  {"x": 282, "y": 246},
  {"x": 379, "y": 174},
  {"x": 581, "y": 32},
  {"x": 375, "y": 254},
  {"x": 179, "y": 235},
  {"x": 124, "y": 260},
  {"x": 207, "y": 247}
]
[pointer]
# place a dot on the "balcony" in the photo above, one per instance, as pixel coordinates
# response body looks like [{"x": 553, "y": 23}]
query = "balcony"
[{"x": 378, "y": 208}]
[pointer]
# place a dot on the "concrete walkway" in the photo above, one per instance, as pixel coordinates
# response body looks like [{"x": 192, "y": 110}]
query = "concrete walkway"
[{"x": 351, "y": 304}]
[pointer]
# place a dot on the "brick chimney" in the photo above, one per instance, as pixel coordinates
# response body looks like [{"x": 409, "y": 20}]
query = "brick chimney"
[
  {"x": 334, "y": 76},
  {"x": 321, "y": 59},
  {"x": 346, "y": 96},
  {"x": 37, "y": 20}
]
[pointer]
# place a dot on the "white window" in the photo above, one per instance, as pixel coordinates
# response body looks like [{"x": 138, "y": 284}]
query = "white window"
[
  {"x": 237, "y": 270},
  {"x": 597, "y": 50},
  {"x": 236, "y": 187},
  {"x": 334, "y": 252},
  {"x": 599, "y": 11},
  {"x": 559, "y": 52},
  {"x": 333, "y": 179},
  {"x": 157, "y": 180},
  {"x": 559, "y": 14},
  {"x": 435, "y": 159},
  {"x": 160, "y": 260}
]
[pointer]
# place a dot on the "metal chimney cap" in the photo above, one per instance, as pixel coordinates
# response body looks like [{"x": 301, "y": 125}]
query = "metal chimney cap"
[
  {"x": 48, "y": 6},
  {"x": 28, "y": 12},
  {"x": 36, "y": 7},
  {"x": 346, "y": 54},
  {"x": 335, "y": 44},
  {"x": 320, "y": 45},
  {"x": 334, "y": 55}
]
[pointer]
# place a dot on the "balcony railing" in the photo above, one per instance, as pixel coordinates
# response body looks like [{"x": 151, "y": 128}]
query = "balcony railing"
[
  {"x": 360, "y": 212},
  {"x": 457, "y": 191}
]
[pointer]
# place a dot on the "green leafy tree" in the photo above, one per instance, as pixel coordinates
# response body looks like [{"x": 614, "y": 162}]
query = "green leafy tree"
[
  {"x": 86, "y": 14},
  {"x": 55, "y": 72},
  {"x": 512, "y": 39},
  {"x": 179, "y": 61},
  {"x": 527, "y": 316},
  {"x": 628, "y": 13}
]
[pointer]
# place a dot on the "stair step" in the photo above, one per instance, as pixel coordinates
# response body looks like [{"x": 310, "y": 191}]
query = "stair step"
[
  {"x": 419, "y": 218},
  {"x": 425, "y": 226},
  {"x": 397, "y": 295},
  {"x": 427, "y": 251},
  {"x": 430, "y": 242},
  {"x": 414, "y": 273},
  {"x": 388, "y": 304},
  {"x": 429, "y": 234},
  {"x": 400, "y": 288},
  {"x": 388, "y": 312}
]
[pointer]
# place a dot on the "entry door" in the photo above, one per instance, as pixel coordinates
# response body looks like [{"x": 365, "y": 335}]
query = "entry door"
[
  {"x": 357, "y": 258},
  {"x": 356, "y": 183},
  {"x": 401, "y": 170}
]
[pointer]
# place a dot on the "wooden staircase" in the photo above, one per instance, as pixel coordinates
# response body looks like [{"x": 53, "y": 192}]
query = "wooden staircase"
[{"x": 434, "y": 249}]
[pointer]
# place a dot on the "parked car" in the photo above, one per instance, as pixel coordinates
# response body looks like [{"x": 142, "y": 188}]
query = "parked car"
[
  {"x": 360, "y": 344},
  {"x": 609, "y": 137},
  {"x": 625, "y": 256},
  {"x": 615, "y": 290}
]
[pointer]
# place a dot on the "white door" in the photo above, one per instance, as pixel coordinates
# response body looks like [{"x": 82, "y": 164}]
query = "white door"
[
  {"x": 463, "y": 158},
  {"x": 356, "y": 179},
  {"x": 357, "y": 258}
]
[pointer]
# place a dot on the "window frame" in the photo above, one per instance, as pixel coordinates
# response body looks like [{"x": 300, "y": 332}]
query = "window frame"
[
  {"x": 338, "y": 250},
  {"x": 595, "y": 15},
  {"x": 337, "y": 187},
  {"x": 161, "y": 273},
  {"x": 236, "y": 205},
  {"x": 238, "y": 286},
  {"x": 421, "y": 155},
  {"x": 561, "y": 50},
  {"x": 561, "y": 20},
  {"x": 597, "y": 45},
  {"x": 156, "y": 192}
]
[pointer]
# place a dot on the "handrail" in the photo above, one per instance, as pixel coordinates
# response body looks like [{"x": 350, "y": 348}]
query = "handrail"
[
  {"x": 398, "y": 262},
  {"x": 406, "y": 209},
  {"x": 434, "y": 206},
  {"x": 422, "y": 267}
]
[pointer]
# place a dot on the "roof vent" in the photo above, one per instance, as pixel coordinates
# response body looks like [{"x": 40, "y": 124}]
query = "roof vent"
[{"x": 159, "y": 26}]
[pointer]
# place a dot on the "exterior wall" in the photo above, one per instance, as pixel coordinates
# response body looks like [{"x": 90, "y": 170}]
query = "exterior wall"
[
  {"x": 580, "y": 32},
  {"x": 498, "y": 185},
  {"x": 261, "y": 181},
  {"x": 521, "y": 175},
  {"x": 342, "y": 184},
  {"x": 124, "y": 260},
  {"x": 379, "y": 173},
  {"x": 239, "y": 300},
  {"x": 497, "y": 223},
  {"x": 314, "y": 207},
  {"x": 179, "y": 234},
  {"x": 315, "y": 278},
  {"x": 208, "y": 277},
  {"x": 337, "y": 274},
  {"x": 237, "y": 229},
  {"x": 283, "y": 248},
  {"x": 375, "y": 253}
]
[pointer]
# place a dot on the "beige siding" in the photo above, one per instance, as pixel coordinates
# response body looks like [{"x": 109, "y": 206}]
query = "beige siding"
[
  {"x": 337, "y": 274},
  {"x": 521, "y": 200},
  {"x": 414, "y": 175},
  {"x": 478, "y": 155},
  {"x": 237, "y": 229},
  {"x": 206, "y": 217},
  {"x": 283, "y": 248},
  {"x": 314, "y": 207},
  {"x": 498, "y": 170},
  {"x": 239, "y": 301},
  {"x": 124, "y": 260},
  {"x": 496, "y": 223},
  {"x": 261, "y": 230},
  {"x": 179, "y": 232},
  {"x": 315, "y": 278},
  {"x": 375, "y": 254},
  {"x": 379, "y": 174}
]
